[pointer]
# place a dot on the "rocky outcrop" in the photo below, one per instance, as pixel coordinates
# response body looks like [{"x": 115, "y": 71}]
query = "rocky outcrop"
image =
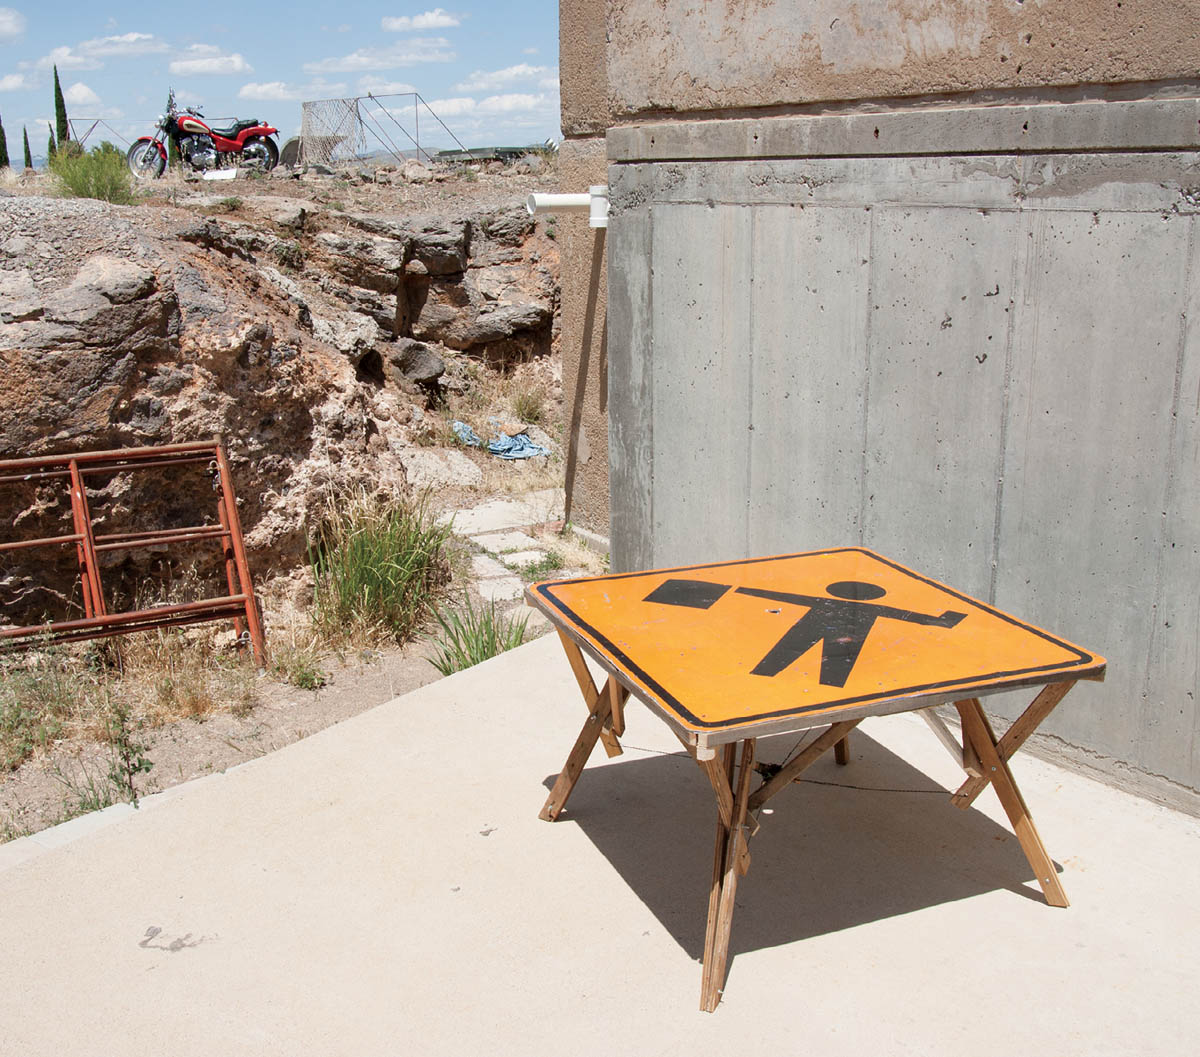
[
  {"x": 306, "y": 341},
  {"x": 468, "y": 284}
]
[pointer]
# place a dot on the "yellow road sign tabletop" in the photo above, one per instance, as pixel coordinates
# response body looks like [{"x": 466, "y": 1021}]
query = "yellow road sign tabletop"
[{"x": 840, "y": 632}]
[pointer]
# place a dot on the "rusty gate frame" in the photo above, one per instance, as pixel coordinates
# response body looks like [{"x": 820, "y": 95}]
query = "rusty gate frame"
[{"x": 239, "y": 605}]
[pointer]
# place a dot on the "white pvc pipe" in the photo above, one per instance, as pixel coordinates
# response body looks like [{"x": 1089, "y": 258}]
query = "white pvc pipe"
[
  {"x": 594, "y": 203},
  {"x": 547, "y": 203},
  {"x": 598, "y": 214}
]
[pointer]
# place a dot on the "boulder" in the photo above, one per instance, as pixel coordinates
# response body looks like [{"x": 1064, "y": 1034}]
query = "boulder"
[
  {"x": 414, "y": 361},
  {"x": 510, "y": 227},
  {"x": 354, "y": 336},
  {"x": 443, "y": 248},
  {"x": 415, "y": 172}
]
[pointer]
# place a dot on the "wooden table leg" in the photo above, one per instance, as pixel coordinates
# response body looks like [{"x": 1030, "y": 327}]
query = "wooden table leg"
[
  {"x": 727, "y": 866},
  {"x": 609, "y": 732},
  {"x": 979, "y": 731},
  {"x": 1015, "y": 737},
  {"x": 723, "y": 771},
  {"x": 573, "y": 768},
  {"x": 804, "y": 759},
  {"x": 841, "y": 751}
]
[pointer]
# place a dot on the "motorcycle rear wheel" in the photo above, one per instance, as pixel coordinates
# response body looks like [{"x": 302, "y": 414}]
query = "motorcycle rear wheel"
[
  {"x": 260, "y": 152},
  {"x": 145, "y": 160}
]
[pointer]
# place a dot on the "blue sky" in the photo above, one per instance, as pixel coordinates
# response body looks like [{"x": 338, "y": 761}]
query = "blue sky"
[{"x": 489, "y": 71}]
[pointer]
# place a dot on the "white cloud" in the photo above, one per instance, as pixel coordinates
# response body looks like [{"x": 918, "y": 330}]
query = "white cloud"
[
  {"x": 87, "y": 55},
  {"x": 12, "y": 23},
  {"x": 125, "y": 44},
  {"x": 79, "y": 94},
  {"x": 435, "y": 19},
  {"x": 512, "y": 103},
  {"x": 12, "y": 82},
  {"x": 67, "y": 59},
  {"x": 483, "y": 81},
  {"x": 378, "y": 86},
  {"x": 407, "y": 53},
  {"x": 507, "y": 104},
  {"x": 282, "y": 92},
  {"x": 453, "y": 107},
  {"x": 529, "y": 51},
  {"x": 207, "y": 59}
]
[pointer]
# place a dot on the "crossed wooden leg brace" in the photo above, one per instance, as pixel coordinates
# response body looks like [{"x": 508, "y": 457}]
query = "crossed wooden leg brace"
[{"x": 983, "y": 757}]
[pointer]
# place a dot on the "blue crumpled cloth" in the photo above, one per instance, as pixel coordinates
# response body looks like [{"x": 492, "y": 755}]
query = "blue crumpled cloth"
[
  {"x": 518, "y": 447},
  {"x": 466, "y": 434}
]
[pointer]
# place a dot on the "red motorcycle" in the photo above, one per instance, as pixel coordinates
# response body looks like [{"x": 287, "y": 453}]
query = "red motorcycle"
[{"x": 245, "y": 142}]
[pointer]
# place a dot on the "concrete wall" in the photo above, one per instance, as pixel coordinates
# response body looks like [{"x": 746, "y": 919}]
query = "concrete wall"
[
  {"x": 728, "y": 54},
  {"x": 844, "y": 306}
]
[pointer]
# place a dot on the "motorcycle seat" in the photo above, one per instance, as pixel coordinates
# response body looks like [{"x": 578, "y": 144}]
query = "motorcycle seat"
[{"x": 238, "y": 125}]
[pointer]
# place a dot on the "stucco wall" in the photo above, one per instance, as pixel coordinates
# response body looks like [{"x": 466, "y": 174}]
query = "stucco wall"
[{"x": 582, "y": 164}]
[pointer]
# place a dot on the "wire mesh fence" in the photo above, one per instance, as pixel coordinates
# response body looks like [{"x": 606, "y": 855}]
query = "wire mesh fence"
[
  {"x": 94, "y": 128},
  {"x": 337, "y": 131}
]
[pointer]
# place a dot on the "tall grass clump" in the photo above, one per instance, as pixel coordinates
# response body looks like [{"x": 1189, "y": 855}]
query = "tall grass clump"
[
  {"x": 377, "y": 566},
  {"x": 101, "y": 173},
  {"x": 473, "y": 635}
]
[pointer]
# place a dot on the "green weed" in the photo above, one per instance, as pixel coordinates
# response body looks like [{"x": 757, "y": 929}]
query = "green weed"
[
  {"x": 37, "y": 697},
  {"x": 128, "y": 758},
  {"x": 87, "y": 792},
  {"x": 299, "y": 667},
  {"x": 101, "y": 173},
  {"x": 538, "y": 569},
  {"x": 289, "y": 255},
  {"x": 377, "y": 567},
  {"x": 472, "y": 635}
]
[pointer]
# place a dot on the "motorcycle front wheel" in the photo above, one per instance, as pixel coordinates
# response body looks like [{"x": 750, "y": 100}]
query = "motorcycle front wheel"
[
  {"x": 145, "y": 159},
  {"x": 260, "y": 152}
]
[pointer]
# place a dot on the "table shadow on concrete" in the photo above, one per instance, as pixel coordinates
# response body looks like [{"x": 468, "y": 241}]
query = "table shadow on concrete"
[{"x": 827, "y": 857}]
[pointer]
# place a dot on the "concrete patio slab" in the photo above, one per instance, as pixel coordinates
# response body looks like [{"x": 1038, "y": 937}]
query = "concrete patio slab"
[{"x": 385, "y": 887}]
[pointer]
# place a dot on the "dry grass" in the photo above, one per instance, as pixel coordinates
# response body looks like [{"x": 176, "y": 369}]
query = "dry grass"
[
  {"x": 573, "y": 552},
  {"x": 63, "y": 693},
  {"x": 501, "y": 477},
  {"x": 528, "y": 403}
]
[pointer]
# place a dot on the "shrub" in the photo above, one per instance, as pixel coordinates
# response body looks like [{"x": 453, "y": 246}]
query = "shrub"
[
  {"x": 100, "y": 174},
  {"x": 472, "y": 635},
  {"x": 376, "y": 567},
  {"x": 288, "y": 254}
]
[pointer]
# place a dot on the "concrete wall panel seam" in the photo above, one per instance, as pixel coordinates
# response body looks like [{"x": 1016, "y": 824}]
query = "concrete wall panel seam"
[{"x": 1051, "y": 127}]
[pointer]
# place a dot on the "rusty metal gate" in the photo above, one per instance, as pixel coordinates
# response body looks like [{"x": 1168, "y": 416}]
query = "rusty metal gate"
[{"x": 239, "y": 604}]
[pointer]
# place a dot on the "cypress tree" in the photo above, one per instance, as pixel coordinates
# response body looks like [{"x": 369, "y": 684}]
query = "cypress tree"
[
  {"x": 60, "y": 111},
  {"x": 3, "y": 147},
  {"x": 28, "y": 156},
  {"x": 50, "y": 151}
]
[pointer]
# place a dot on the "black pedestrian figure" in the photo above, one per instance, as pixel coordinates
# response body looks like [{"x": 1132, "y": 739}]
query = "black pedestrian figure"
[{"x": 842, "y": 623}]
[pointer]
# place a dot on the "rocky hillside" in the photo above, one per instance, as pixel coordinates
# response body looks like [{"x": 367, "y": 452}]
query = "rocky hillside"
[{"x": 308, "y": 323}]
